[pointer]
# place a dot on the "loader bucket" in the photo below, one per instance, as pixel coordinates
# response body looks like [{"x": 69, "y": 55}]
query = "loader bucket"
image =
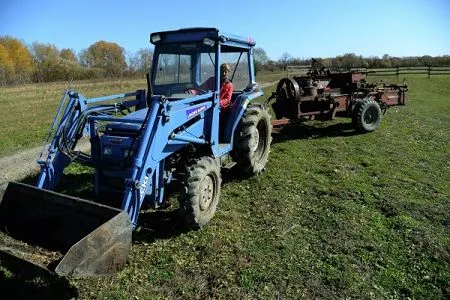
[{"x": 63, "y": 234}]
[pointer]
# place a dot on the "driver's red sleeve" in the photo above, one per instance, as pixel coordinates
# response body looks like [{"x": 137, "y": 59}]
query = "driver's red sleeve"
[{"x": 226, "y": 92}]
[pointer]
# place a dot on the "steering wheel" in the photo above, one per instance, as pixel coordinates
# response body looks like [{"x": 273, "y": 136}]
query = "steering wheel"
[{"x": 194, "y": 91}]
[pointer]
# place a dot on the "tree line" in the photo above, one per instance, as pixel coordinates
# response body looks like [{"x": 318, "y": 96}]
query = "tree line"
[
  {"x": 349, "y": 60},
  {"x": 39, "y": 62}
]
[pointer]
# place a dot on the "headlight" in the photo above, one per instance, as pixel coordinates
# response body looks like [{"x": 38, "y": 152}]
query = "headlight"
[
  {"x": 209, "y": 42},
  {"x": 156, "y": 38}
]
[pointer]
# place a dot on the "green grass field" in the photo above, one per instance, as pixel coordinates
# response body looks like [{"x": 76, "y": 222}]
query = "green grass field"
[
  {"x": 28, "y": 111},
  {"x": 336, "y": 215}
]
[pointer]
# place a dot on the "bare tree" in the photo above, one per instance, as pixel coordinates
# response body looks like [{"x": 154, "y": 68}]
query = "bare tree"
[
  {"x": 285, "y": 59},
  {"x": 260, "y": 58}
]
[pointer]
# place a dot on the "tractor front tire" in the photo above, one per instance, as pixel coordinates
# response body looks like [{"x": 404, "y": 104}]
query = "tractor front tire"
[
  {"x": 252, "y": 140},
  {"x": 200, "y": 192},
  {"x": 367, "y": 116}
]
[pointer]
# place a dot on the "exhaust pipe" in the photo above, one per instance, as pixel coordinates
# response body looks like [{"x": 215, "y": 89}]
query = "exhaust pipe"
[{"x": 66, "y": 235}]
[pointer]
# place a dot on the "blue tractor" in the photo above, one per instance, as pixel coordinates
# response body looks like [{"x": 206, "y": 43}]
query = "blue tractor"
[{"x": 140, "y": 142}]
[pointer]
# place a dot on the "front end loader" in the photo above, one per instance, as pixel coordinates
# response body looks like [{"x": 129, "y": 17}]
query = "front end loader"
[{"x": 140, "y": 142}]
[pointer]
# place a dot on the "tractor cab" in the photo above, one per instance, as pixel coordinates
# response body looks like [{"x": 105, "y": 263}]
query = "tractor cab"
[{"x": 187, "y": 58}]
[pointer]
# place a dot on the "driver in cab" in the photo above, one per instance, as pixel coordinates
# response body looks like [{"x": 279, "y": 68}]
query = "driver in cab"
[{"x": 226, "y": 87}]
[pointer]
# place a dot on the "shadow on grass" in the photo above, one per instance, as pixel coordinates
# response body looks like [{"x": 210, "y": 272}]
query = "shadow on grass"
[
  {"x": 159, "y": 224},
  {"x": 153, "y": 224},
  {"x": 299, "y": 130},
  {"x": 22, "y": 280}
]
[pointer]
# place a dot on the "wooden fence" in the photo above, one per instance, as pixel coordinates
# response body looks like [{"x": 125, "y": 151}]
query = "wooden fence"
[
  {"x": 398, "y": 71},
  {"x": 296, "y": 70}
]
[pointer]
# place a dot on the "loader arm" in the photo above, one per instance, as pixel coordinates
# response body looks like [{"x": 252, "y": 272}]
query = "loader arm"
[{"x": 68, "y": 127}]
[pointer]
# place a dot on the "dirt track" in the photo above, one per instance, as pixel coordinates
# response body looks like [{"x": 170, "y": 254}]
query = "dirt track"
[
  {"x": 18, "y": 166},
  {"x": 23, "y": 164}
]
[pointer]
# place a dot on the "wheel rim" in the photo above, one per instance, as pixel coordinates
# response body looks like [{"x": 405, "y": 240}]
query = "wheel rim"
[
  {"x": 371, "y": 116},
  {"x": 207, "y": 194},
  {"x": 260, "y": 142},
  {"x": 256, "y": 139},
  {"x": 288, "y": 88}
]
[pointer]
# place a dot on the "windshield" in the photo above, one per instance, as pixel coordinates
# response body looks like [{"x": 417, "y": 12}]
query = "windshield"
[{"x": 173, "y": 69}]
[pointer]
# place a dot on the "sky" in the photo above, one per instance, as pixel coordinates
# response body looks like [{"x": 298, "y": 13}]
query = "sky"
[{"x": 300, "y": 28}]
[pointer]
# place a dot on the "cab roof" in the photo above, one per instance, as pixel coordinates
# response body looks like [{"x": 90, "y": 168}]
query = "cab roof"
[{"x": 198, "y": 34}]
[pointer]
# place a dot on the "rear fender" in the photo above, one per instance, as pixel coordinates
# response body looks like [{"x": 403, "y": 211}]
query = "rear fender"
[{"x": 237, "y": 111}]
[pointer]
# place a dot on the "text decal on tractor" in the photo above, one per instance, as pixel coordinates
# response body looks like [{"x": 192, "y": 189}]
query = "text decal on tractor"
[{"x": 194, "y": 111}]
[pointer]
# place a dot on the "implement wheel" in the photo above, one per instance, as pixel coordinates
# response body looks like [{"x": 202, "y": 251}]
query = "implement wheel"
[
  {"x": 201, "y": 190},
  {"x": 367, "y": 115},
  {"x": 252, "y": 140},
  {"x": 288, "y": 88}
]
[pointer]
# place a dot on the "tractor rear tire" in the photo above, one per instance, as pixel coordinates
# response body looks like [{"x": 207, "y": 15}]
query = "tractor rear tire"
[
  {"x": 200, "y": 192},
  {"x": 367, "y": 116},
  {"x": 252, "y": 141}
]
